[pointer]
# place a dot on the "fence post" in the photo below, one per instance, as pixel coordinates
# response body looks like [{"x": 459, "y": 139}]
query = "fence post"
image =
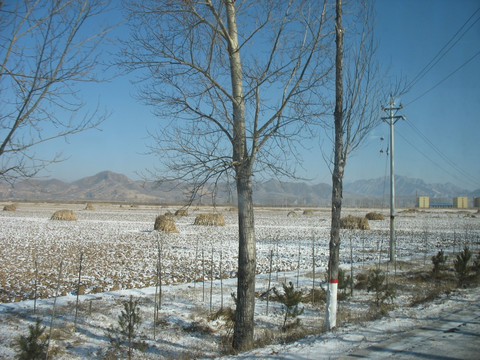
[
  {"x": 54, "y": 307},
  {"x": 211, "y": 280},
  {"x": 269, "y": 278},
  {"x": 78, "y": 290}
]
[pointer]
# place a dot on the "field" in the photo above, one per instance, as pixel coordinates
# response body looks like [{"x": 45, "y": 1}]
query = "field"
[{"x": 120, "y": 251}]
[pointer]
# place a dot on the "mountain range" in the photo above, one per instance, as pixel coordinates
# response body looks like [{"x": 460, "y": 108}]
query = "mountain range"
[{"x": 110, "y": 186}]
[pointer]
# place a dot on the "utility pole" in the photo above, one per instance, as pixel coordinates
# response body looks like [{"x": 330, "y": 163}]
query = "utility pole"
[{"x": 392, "y": 119}]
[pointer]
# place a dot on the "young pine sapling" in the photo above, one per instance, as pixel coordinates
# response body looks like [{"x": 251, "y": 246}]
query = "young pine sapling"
[
  {"x": 376, "y": 282},
  {"x": 33, "y": 346},
  {"x": 128, "y": 323},
  {"x": 461, "y": 265},
  {"x": 290, "y": 299},
  {"x": 439, "y": 262}
]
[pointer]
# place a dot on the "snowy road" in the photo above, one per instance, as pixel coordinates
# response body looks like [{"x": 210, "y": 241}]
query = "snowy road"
[
  {"x": 455, "y": 336},
  {"x": 449, "y": 328}
]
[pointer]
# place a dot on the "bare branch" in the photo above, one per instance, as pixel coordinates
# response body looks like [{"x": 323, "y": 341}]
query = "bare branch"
[
  {"x": 180, "y": 52},
  {"x": 44, "y": 52}
]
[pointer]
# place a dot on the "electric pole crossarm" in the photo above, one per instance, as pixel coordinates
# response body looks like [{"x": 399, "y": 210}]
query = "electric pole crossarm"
[{"x": 395, "y": 118}]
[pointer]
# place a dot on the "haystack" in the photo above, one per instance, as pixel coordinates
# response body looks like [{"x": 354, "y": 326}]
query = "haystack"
[
  {"x": 89, "y": 207},
  {"x": 67, "y": 215},
  {"x": 308, "y": 212},
  {"x": 210, "y": 220},
  {"x": 292, "y": 214},
  {"x": 165, "y": 224},
  {"x": 181, "y": 212},
  {"x": 375, "y": 216},
  {"x": 10, "y": 207},
  {"x": 354, "y": 222}
]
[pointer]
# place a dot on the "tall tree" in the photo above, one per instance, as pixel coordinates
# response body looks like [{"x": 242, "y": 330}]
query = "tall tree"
[
  {"x": 232, "y": 80},
  {"x": 46, "y": 47},
  {"x": 356, "y": 114},
  {"x": 337, "y": 176}
]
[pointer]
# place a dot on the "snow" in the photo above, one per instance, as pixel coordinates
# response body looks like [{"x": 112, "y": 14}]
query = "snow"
[
  {"x": 422, "y": 332},
  {"x": 119, "y": 260}
]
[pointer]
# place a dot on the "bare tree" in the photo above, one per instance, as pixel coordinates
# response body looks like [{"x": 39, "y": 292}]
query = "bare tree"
[
  {"x": 46, "y": 47},
  {"x": 234, "y": 81},
  {"x": 356, "y": 113}
]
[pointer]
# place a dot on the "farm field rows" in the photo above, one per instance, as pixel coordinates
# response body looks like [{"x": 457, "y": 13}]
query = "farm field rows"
[
  {"x": 120, "y": 250},
  {"x": 120, "y": 253}
]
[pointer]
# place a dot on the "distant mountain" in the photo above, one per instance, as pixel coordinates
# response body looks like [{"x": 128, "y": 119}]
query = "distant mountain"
[
  {"x": 404, "y": 186},
  {"x": 110, "y": 186}
]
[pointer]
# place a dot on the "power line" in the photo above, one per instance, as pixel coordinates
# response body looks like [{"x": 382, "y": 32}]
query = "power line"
[
  {"x": 426, "y": 156},
  {"x": 442, "y": 155},
  {"x": 439, "y": 54},
  {"x": 444, "y": 79},
  {"x": 459, "y": 173},
  {"x": 447, "y": 161}
]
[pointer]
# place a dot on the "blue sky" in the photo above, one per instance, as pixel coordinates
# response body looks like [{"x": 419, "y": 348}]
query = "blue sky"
[{"x": 438, "y": 143}]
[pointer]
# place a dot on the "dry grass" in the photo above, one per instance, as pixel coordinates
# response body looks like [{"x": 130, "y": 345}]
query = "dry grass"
[
  {"x": 166, "y": 224},
  {"x": 89, "y": 207},
  {"x": 198, "y": 327},
  {"x": 66, "y": 215},
  {"x": 292, "y": 214},
  {"x": 354, "y": 222},
  {"x": 181, "y": 212},
  {"x": 10, "y": 207},
  {"x": 411, "y": 210},
  {"x": 210, "y": 220},
  {"x": 308, "y": 212},
  {"x": 375, "y": 216},
  {"x": 319, "y": 296}
]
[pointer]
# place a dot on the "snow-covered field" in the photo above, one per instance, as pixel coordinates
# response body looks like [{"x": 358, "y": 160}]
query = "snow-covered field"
[{"x": 120, "y": 253}]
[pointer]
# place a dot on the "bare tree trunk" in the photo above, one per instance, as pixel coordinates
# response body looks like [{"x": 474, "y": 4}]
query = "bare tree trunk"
[
  {"x": 337, "y": 177},
  {"x": 291, "y": 61},
  {"x": 244, "y": 324}
]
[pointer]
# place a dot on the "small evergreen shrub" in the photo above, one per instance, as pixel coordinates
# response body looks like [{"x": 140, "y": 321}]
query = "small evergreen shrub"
[
  {"x": 376, "y": 283},
  {"x": 439, "y": 262},
  {"x": 290, "y": 299},
  {"x": 344, "y": 282},
  {"x": 476, "y": 265},
  {"x": 461, "y": 265},
  {"x": 33, "y": 346},
  {"x": 126, "y": 333},
  {"x": 361, "y": 281}
]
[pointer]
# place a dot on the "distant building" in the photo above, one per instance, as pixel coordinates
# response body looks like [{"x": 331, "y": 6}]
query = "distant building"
[
  {"x": 423, "y": 202},
  {"x": 476, "y": 202},
  {"x": 460, "y": 202},
  {"x": 441, "y": 205}
]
